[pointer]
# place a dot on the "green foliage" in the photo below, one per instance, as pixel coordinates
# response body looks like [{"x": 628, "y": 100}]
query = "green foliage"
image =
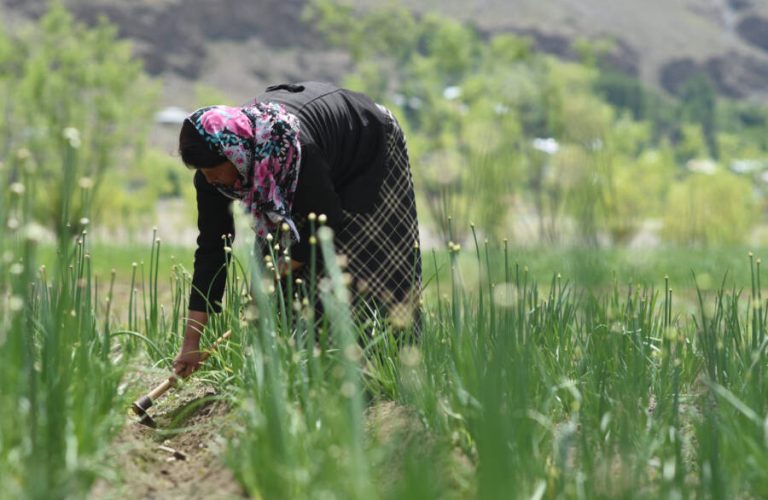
[
  {"x": 66, "y": 84},
  {"x": 479, "y": 128},
  {"x": 452, "y": 47},
  {"x": 513, "y": 389},
  {"x": 58, "y": 378},
  {"x": 747, "y": 120},
  {"x": 153, "y": 176},
  {"x": 473, "y": 107},
  {"x": 446, "y": 80},
  {"x": 692, "y": 144},
  {"x": 698, "y": 105},
  {"x": 706, "y": 209},
  {"x": 540, "y": 391},
  {"x": 586, "y": 120},
  {"x": 623, "y": 92}
]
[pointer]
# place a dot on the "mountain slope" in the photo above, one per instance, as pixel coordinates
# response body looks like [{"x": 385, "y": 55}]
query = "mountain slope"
[
  {"x": 662, "y": 41},
  {"x": 238, "y": 46}
]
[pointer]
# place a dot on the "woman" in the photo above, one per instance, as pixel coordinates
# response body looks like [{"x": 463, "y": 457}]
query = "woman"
[{"x": 295, "y": 150}]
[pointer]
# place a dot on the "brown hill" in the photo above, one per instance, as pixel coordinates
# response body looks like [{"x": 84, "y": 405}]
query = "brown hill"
[{"x": 238, "y": 46}]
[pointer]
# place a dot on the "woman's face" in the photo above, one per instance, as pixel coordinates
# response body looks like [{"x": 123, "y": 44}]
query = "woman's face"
[{"x": 222, "y": 175}]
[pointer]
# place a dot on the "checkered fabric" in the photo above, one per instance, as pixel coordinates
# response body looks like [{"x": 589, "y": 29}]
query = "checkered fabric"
[{"x": 381, "y": 248}]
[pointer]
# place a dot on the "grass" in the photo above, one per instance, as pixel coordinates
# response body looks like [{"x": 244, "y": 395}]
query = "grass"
[
  {"x": 106, "y": 257},
  {"x": 556, "y": 392},
  {"x": 59, "y": 375},
  {"x": 605, "y": 380}
]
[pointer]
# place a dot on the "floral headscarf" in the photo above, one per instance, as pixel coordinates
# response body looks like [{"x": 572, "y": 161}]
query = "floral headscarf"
[{"x": 262, "y": 142}]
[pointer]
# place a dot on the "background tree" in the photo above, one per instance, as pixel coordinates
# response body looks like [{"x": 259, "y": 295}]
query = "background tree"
[
  {"x": 693, "y": 215},
  {"x": 575, "y": 144},
  {"x": 73, "y": 96},
  {"x": 698, "y": 106}
]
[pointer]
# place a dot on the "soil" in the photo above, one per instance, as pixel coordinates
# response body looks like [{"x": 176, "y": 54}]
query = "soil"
[
  {"x": 183, "y": 456},
  {"x": 189, "y": 421}
]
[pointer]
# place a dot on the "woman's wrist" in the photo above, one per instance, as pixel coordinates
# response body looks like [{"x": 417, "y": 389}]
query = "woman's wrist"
[
  {"x": 191, "y": 340},
  {"x": 196, "y": 321}
]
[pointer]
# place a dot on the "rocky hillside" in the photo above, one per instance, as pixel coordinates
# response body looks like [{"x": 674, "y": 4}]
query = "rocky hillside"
[
  {"x": 663, "y": 42},
  {"x": 238, "y": 46}
]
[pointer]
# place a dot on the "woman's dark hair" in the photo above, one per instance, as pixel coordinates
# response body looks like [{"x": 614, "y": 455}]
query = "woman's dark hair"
[{"x": 195, "y": 151}]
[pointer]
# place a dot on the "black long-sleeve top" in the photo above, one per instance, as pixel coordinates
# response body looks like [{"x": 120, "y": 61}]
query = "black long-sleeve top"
[{"x": 343, "y": 149}]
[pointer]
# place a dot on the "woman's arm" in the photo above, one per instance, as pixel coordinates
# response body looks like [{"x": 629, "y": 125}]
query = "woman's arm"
[
  {"x": 188, "y": 359},
  {"x": 283, "y": 267},
  {"x": 214, "y": 223},
  {"x": 214, "y": 220}
]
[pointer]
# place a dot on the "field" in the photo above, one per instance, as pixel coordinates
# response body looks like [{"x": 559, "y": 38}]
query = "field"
[
  {"x": 614, "y": 346},
  {"x": 560, "y": 374}
]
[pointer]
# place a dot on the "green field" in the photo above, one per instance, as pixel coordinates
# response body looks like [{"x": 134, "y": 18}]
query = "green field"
[
  {"x": 564, "y": 364},
  {"x": 583, "y": 386},
  {"x": 584, "y": 268}
]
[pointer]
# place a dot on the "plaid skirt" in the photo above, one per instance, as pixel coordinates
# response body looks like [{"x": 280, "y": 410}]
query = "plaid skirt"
[{"x": 381, "y": 248}]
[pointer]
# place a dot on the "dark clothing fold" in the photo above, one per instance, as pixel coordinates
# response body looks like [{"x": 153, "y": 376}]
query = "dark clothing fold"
[
  {"x": 352, "y": 163},
  {"x": 343, "y": 134}
]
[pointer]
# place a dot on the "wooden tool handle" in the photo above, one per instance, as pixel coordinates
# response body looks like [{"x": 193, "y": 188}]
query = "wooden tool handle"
[
  {"x": 162, "y": 388},
  {"x": 215, "y": 345},
  {"x": 168, "y": 383}
]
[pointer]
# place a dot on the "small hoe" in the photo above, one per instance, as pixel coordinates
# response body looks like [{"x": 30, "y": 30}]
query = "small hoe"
[{"x": 144, "y": 403}]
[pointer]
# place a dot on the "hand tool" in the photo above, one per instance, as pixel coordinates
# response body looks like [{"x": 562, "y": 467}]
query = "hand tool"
[{"x": 144, "y": 403}]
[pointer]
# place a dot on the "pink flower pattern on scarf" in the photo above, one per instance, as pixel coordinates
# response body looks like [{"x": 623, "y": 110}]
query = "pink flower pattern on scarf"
[{"x": 262, "y": 142}]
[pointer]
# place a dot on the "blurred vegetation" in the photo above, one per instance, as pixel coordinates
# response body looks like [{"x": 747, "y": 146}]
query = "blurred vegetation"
[
  {"x": 70, "y": 90},
  {"x": 554, "y": 390},
  {"x": 695, "y": 214},
  {"x": 497, "y": 130},
  {"x": 524, "y": 145}
]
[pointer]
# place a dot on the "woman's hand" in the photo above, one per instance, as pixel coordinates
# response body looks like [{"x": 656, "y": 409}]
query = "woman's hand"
[
  {"x": 188, "y": 360},
  {"x": 189, "y": 357},
  {"x": 283, "y": 268}
]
